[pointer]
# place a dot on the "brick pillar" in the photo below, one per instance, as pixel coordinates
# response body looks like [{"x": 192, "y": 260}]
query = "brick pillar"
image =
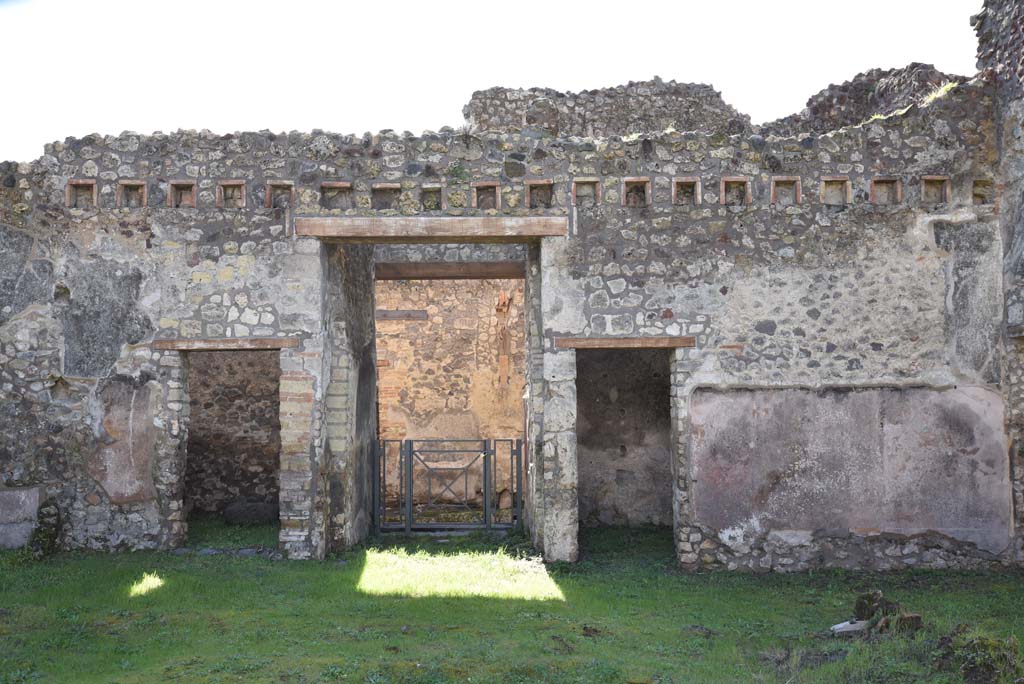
[
  {"x": 340, "y": 416},
  {"x": 301, "y": 536}
]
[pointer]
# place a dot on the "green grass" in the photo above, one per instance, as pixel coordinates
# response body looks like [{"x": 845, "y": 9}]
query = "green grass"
[
  {"x": 422, "y": 611},
  {"x": 212, "y": 531}
]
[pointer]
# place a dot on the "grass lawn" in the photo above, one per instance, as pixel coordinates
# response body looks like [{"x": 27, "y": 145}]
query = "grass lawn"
[{"x": 419, "y": 611}]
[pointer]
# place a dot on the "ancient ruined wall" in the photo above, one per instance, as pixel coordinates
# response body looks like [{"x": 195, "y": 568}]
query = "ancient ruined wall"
[
  {"x": 870, "y": 272},
  {"x": 643, "y": 107},
  {"x": 624, "y": 437},
  {"x": 234, "y": 437},
  {"x": 450, "y": 358},
  {"x": 1000, "y": 29},
  {"x": 787, "y": 294},
  {"x": 878, "y": 92},
  {"x": 95, "y": 413}
]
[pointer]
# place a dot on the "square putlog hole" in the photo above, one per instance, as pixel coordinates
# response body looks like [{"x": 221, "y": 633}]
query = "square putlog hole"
[
  {"x": 183, "y": 195},
  {"x": 983, "y": 192},
  {"x": 279, "y": 196},
  {"x": 734, "y": 193},
  {"x": 384, "y": 198},
  {"x": 431, "y": 199},
  {"x": 585, "y": 193},
  {"x": 835, "y": 192},
  {"x": 232, "y": 195},
  {"x": 785, "y": 193},
  {"x": 486, "y": 196},
  {"x": 132, "y": 195},
  {"x": 686, "y": 193},
  {"x": 336, "y": 195},
  {"x": 885, "y": 191},
  {"x": 934, "y": 190},
  {"x": 541, "y": 195},
  {"x": 81, "y": 195},
  {"x": 636, "y": 194}
]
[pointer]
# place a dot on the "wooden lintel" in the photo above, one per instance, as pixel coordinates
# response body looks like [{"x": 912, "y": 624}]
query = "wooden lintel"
[
  {"x": 624, "y": 342},
  {"x": 226, "y": 343},
  {"x": 400, "y": 315},
  {"x": 432, "y": 228},
  {"x": 476, "y": 270}
]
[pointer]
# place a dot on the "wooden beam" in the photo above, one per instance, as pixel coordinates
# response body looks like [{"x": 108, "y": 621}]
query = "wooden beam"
[
  {"x": 400, "y": 315},
  {"x": 226, "y": 343},
  {"x": 432, "y": 228},
  {"x": 476, "y": 270},
  {"x": 624, "y": 342}
]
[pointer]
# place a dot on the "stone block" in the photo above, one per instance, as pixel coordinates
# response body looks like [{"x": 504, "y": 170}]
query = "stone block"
[{"x": 19, "y": 509}]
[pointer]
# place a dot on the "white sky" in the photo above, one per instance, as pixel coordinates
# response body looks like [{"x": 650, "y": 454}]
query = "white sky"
[{"x": 105, "y": 66}]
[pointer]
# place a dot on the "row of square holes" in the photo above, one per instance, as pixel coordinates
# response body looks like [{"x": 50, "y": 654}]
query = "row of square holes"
[
  {"x": 785, "y": 190},
  {"x": 636, "y": 192}
]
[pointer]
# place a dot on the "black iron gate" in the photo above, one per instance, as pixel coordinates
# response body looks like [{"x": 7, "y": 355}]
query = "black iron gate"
[{"x": 447, "y": 484}]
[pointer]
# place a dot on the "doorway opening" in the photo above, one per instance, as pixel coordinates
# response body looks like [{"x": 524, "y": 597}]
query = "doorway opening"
[
  {"x": 232, "y": 471},
  {"x": 624, "y": 446},
  {"x": 451, "y": 368}
]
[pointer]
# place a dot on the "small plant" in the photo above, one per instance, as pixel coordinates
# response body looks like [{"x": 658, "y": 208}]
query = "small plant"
[
  {"x": 457, "y": 173},
  {"x": 332, "y": 673},
  {"x": 980, "y": 659},
  {"x": 939, "y": 92}
]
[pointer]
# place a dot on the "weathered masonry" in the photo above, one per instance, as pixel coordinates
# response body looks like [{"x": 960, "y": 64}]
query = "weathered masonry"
[{"x": 801, "y": 344}]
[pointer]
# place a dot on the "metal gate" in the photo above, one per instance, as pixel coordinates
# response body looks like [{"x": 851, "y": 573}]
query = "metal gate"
[{"x": 447, "y": 484}]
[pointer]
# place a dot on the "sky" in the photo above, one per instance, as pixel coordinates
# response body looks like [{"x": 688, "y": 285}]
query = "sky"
[{"x": 106, "y": 66}]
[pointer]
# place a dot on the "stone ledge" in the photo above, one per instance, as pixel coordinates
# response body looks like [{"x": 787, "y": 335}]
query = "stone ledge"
[
  {"x": 624, "y": 342},
  {"x": 226, "y": 344},
  {"x": 433, "y": 228}
]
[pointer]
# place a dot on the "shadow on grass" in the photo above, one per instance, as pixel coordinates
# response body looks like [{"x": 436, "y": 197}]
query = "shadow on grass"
[{"x": 209, "y": 530}]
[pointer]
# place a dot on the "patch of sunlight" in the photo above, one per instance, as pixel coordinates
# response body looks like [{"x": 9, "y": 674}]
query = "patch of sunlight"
[
  {"x": 396, "y": 572},
  {"x": 149, "y": 582}
]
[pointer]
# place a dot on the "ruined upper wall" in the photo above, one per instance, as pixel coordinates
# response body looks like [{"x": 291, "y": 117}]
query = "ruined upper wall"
[
  {"x": 875, "y": 92},
  {"x": 1000, "y": 29},
  {"x": 642, "y": 107}
]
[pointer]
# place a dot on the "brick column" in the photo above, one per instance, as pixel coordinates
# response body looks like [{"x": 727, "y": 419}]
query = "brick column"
[
  {"x": 300, "y": 437},
  {"x": 340, "y": 416}
]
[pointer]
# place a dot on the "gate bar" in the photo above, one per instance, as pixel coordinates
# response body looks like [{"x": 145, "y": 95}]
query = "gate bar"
[
  {"x": 518, "y": 456},
  {"x": 488, "y": 455},
  {"x": 407, "y": 448}
]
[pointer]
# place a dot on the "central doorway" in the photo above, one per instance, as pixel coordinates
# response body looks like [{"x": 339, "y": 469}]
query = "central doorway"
[{"x": 451, "y": 368}]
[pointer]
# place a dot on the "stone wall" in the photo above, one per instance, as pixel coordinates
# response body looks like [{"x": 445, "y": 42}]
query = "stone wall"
[
  {"x": 875, "y": 93},
  {"x": 95, "y": 413},
  {"x": 643, "y": 107},
  {"x": 1000, "y": 29},
  {"x": 624, "y": 437},
  {"x": 459, "y": 371},
  {"x": 234, "y": 438},
  {"x": 787, "y": 465}
]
